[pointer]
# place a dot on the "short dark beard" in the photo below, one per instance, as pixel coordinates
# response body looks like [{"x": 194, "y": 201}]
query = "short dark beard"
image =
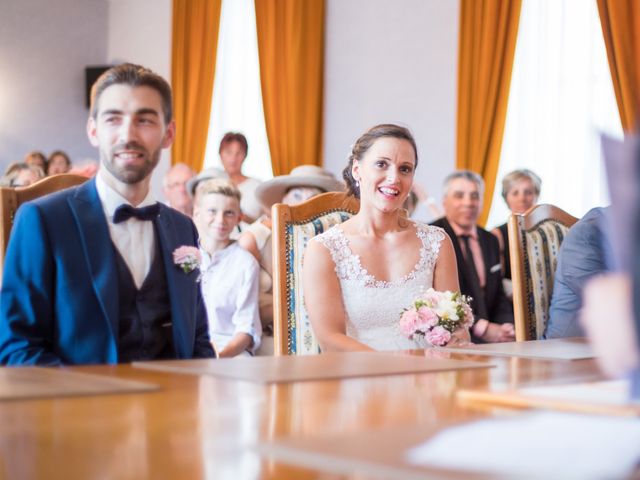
[{"x": 133, "y": 175}]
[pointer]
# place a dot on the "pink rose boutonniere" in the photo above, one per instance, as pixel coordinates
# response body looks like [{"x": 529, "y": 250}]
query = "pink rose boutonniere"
[
  {"x": 187, "y": 258},
  {"x": 436, "y": 315}
]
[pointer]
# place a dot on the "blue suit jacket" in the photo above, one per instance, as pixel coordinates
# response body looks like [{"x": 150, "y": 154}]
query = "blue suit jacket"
[
  {"x": 59, "y": 297},
  {"x": 585, "y": 252}
]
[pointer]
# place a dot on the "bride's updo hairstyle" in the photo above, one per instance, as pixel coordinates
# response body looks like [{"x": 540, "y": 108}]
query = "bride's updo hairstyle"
[{"x": 363, "y": 144}]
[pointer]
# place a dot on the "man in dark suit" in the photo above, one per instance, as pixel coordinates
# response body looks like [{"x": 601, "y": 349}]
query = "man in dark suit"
[
  {"x": 89, "y": 275},
  {"x": 478, "y": 256}
]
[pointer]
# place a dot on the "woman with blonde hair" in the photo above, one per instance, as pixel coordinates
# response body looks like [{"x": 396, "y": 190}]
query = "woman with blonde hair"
[
  {"x": 520, "y": 190},
  {"x": 21, "y": 174}
]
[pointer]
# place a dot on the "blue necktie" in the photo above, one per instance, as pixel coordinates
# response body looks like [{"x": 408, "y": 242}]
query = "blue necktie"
[{"x": 125, "y": 212}]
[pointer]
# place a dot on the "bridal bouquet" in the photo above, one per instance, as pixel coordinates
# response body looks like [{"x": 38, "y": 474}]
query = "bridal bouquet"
[{"x": 436, "y": 315}]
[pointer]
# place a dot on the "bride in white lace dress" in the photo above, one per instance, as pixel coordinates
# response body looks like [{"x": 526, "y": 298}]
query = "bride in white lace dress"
[{"x": 360, "y": 275}]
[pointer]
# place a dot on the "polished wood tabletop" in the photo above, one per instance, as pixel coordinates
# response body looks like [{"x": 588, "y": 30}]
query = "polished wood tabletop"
[{"x": 207, "y": 427}]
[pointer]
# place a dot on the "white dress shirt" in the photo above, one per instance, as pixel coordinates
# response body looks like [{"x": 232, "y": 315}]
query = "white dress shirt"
[
  {"x": 229, "y": 285},
  {"x": 134, "y": 239}
]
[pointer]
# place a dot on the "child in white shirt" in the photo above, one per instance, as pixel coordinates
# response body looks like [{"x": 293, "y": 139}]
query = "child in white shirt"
[{"x": 229, "y": 274}]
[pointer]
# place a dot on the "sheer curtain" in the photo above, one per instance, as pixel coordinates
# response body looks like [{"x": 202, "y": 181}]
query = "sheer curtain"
[
  {"x": 561, "y": 100},
  {"x": 237, "y": 95}
]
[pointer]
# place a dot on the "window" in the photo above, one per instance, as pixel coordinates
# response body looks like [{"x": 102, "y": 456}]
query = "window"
[
  {"x": 237, "y": 96},
  {"x": 561, "y": 100}
]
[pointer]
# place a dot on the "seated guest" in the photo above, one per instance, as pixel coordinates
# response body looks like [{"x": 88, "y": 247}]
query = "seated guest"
[
  {"x": 359, "y": 275},
  {"x": 585, "y": 252},
  {"x": 89, "y": 275},
  {"x": 174, "y": 186},
  {"x": 233, "y": 152},
  {"x": 299, "y": 186},
  {"x": 478, "y": 256},
  {"x": 520, "y": 190},
  {"x": 229, "y": 274},
  {"x": 59, "y": 162},
  {"x": 21, "y": 174},
  {"x": 36, "y": 158},
  {"x": 207, "y": 174}
]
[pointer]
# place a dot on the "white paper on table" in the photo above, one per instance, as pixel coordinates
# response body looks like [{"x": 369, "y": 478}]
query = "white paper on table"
[
  {"x": 541, "y": 444},
  {"x": 612, "y": 392}
]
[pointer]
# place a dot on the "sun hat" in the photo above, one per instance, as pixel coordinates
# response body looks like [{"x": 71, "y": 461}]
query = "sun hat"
[
  {"x": 272, "y": 191},
  {"x": 206, "y": 174}
]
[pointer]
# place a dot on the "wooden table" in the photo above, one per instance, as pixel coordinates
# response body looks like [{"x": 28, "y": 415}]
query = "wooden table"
[{"x": 204, "y": 427}]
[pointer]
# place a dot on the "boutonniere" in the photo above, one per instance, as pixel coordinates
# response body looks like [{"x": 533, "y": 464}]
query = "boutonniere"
[{"x": 187, "y": 258}]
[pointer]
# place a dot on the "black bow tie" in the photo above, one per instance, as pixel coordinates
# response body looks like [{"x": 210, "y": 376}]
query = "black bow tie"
[{"x": 125, "y": 212}]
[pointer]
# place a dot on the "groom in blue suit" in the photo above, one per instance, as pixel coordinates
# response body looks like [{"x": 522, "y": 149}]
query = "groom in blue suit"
[{"x": 89, "y": 275}]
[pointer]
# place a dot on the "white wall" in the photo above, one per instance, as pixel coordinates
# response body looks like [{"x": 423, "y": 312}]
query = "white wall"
[
  {"x": 140, "y": 32},
  {"x": 384, "y": 62},
  {"x": 44, "y": 48},
  {"x": 392, "y": 62}
]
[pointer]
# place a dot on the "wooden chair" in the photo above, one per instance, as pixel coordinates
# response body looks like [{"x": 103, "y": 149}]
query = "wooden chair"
[
  {"x": 534, "y": 241},
  {"x": 12, "y": 198},
  {"x": 293, "y": 226}
]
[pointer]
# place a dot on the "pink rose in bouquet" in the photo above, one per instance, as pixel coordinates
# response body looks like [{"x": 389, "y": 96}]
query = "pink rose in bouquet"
[
  {"x": 436, "y": 315},
  {"x": 409, "y": 322},
  {"x": 467, "y": 313},
  {"x": 187, "y": 257},
  {"x": 438, "y": 336},
  {"x": 427, "y": 318}
]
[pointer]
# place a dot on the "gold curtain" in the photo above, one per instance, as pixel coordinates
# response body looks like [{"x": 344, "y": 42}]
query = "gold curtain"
[
  {"x": 193, "y": 62},
  {"x": 291, "y": 51},
  {"x": 620, "y": 20},
  {"x": 488, "y": 31}
]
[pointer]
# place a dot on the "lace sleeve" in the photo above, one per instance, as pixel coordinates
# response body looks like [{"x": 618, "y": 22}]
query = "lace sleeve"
[
  {"x": 432, "y": 238},
  {"x": 347, "y": 264}
]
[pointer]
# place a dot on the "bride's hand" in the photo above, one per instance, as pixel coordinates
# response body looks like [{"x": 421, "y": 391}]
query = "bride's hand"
[{"x": 459, "y": 338}]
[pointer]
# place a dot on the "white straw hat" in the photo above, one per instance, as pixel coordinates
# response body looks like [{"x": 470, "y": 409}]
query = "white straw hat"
[
  {"x": 272, "y": 191},
  {"x": 206, "y": 174}
]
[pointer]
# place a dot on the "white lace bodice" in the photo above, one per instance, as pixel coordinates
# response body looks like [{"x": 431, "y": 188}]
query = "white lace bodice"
[{"x": 373, "y": 307}]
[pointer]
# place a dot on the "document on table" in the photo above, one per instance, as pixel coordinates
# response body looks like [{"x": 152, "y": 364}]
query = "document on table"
[
  {"x": 614, "y": 392},
  {"x": 575, "y": 348},
  {"x": 607, "y": 397},
  {"x": 541, "y": 444},
  {"x": 312, "y": 367},
  {"x": 22, "y": 383}
]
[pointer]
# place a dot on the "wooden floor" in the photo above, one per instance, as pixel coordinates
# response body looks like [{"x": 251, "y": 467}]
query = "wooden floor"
[{"x": 207, "y": 427}]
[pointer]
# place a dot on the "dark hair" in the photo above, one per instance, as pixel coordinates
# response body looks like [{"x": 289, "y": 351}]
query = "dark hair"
[
  {"x": 134, "y": 76},
  {"x": 363, "y": 144},
  {"x": 230, "y": 137},
  {"x": 59, "y": 153}
]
